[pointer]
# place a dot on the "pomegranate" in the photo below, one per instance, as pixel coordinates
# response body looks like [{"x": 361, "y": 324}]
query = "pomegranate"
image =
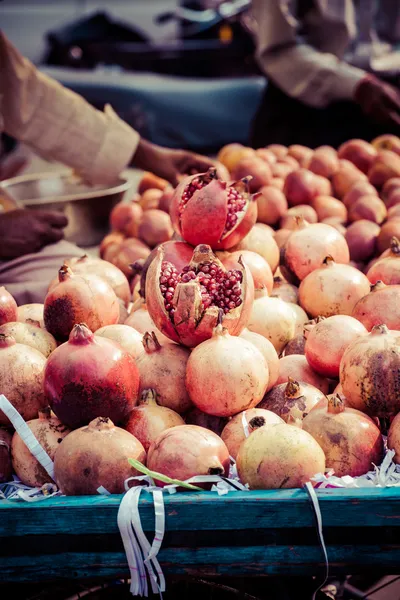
[
  {"x": 255, "y": 168},
  {"x": 206, "y": 210},
  {"x": 21, "y": 378},
  {"x": 279, "y": 456},
  {"x": 351, "y": 441},
  {"x": 324, "y": 161},
  {"x": 231, "y": 154},
  {"x": 5, "y": 456},
  {"x": 279, "y": 150},
  {"x": 151, "y": 181},
  {"x": 305, "y": 211},
  {"x": 186, "y": 451},
  {"x": 78, "y": 299},
  {"x": 155, "y": 228},
  {"x": 234, "y": 434},
  {"x": 141, "y": 321},
  {"x": 281, "y": 169},
  {"x": 267, "y": 350},
  {"x": 393, "y": 198},
  {"x": 391, "y": 185},
  {"x": 285, "y": 291},
  {"x": 300, "y": 187},
  {"x": 327, "y": 207},
  {"x": 49, "y": 432},
  {"x": 266, "y": 155},
  {"x": 368, "y": 207},
  {"x": 110, "y": 245},
  {"x": 166, "y": 198},
  {"x": 96, "y": 455},
  {"x": 110, "y": 273},
  {"x": 297, "y": 367},
  {"x": 381, "y": 305},
  {"x": 388, "y": 230},
  {"x": 31, "y": 312},
  {"x": 301, "y": 153},
  {"x": 278, "y": 183},
  {"x": 301, "y": 318},
  {"x": 89, "y": 377},
  {"x": 150, "y": 199},
  {"x": 292, "y": 401},
  {"x": 30, "y": 334},
  {"x": 307, "y": 247},
  {"x": 336, "y": 224},
  {"x": 125, "y": 218},
  {"x": 271, "y": 205},
  {"x": 393, "y": 440},
  {"x": 361, "y": 239},
  {"x": 274, "y": 319},
  {"x": 211, "y": 422},
  {"x": 333, "y": 289},
  {"x": 359, "y": 152},
  {"x": 8, "y": 307},
  {"x": 148, "y": 420},
  {"x": 281, "y": 237},
  {"x": 369, "y": 372},
  {"x": 123, "y": 312},
  {"x": 226, "y": 374},
  {"x": 260, "y": 241},
  {"x": 185, "y": 305},
  {"x": 128, "y": 252},
  {"x": 387, "y": 268},
  {"x": 386, "y": 165},
  {"x": 346, "y": 177},
  {"x": 126, "y": 337},
  {"x": 387, "y": 141},
  {"x": 163, "y": 368},
  {"x": 359, "y": 189},
  {"x": 327, "y": 342},
  {"x": 295, "y": 346},
  {"x": 258, "y": 267},
  {"x": 394, "y": 211}
]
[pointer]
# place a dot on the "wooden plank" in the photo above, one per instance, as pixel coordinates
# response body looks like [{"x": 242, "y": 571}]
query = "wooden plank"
[
  {"x": 227, "y": 561},
  {"x": 205, "y": 511}
]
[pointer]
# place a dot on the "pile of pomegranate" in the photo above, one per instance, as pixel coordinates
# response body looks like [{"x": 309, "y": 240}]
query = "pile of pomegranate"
[{"x": 251, "y": 315}]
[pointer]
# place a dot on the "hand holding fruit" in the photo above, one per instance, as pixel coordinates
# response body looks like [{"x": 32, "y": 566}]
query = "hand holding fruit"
[{"x": 379, "y": 101}]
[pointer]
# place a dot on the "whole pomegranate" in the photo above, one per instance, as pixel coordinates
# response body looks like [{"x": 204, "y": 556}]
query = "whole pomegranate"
[
  {"x": 274, "y": 319},
  {"x": 351, "y": 440},
  {"x": 234, "y": 434},
  {"x": 388, "y": 230},
  {"x": 387, "y": 268},
  {"x": 324, "y": 161},
  {"x": 148, "y": 420},
  {"x": 141, "y": 321},
  {"x": 386, "y": 165},
  {"x": 393, "y": 440},
  {"x": 21, "y": 378},
  {"x": 186, "y": 451},
  {"x": 305, "y": 211},
  {"x": 297, "y": 367},
  {"x": 301, "y": 153},
  {"x": 361, "y": 239},
  {"x": 359, "y": 152},
  {"x": 129, "y": 251},
  {"x": 31, "y": 312},
  {"x": 185, "y": 304},
  {"x": 327, "y": 342},
  {"x": 89, "y": 377},
  {"x": 279, "y": 456},
  {"x": 332, "y": 289},
  {"x": 360, "y": 188},
  {"x": 258, "y": 172},
  {"x": 150, "y": 199},
  {"x": 307, "y": 247},
  {"x": 150, "y": 181},
  {"x": 155, "y": 228},
  {"x": 96, "y": 455},
  {"x": 127, "y": 337},
  {"x": 8, "y": 307},
  {"x": 381, "y": 305},
  {"x": 110, "y": 245},
  {"x": 78, "y": 299},
  {"x": 261, "y": 241},
  {"x": 369, "y": 372},
  {"x": 300, "y": 187},
  {"x": 368, "y": 207},
  {"x": 226, "y": 374},
  {"x": 346, "y": 177},
  {"x": 327, "y": 207},
  {"x": 292, "y": 400},
  {"x": 267, "y": 350},
  {"x": 162, "y": 367},
  {"x": 126, "y": 218},
  {"x": 5, "y": 456},
  {"x": 206, "y": 210},
  {"x": 258, "y": 267},
  {"x": 30, "y": 334},
  {"x": 284, "y": 290},
  {"x": 271, "y": 205},
  {"x": 49, "y": 432},
  {"x": 202, "y": 419}
]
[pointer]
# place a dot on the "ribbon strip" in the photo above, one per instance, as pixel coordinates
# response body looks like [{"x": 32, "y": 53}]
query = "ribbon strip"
[{"x": 317, "y": 511}]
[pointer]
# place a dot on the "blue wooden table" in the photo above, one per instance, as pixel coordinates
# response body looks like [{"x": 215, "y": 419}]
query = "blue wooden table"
[{"x": 240, "y": 534}]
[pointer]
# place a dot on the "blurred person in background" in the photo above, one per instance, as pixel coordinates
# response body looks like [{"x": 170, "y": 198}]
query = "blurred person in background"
[
  {"x": 332, "y": 67},
  {"x": 61, "y": 126}
]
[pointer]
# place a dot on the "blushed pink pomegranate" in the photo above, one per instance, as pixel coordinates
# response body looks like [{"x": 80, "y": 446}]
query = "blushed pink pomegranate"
[
  {"x": 21, "y": 378},
  {"x": 96, "y": 455},
  {"x": 185, "y": 305},
  {"x": 89, "y": 377},
  {"x": 388, "y": 230},
  {"x": 148, "y": 420},
  {"x": 279, "y": 456},
  {"x": 226, "y": 374},
  {"x": 332, "y": 289},
  {"x": 155, "y": 228},
  {"x": 393, "y": 440},
  {"x": 293, "y": 400},
  {"x": 300, "y": 187},
  {"x": 346, "y": 177},
  {"x": 127, "y": 337},
  {"x": 150, "y": 199},
  {"x": 361, "y": 239},
  {"x": 327, "y": 207},
  {"x": 206, "y": 210},
  {"x": 141, "y": 321},
  {"x": 297, "y": 367},
  {"x": 234, "y": 433},
  {"x": 301, "y": 153},
  {"x": 271, "y": 205},
  {"x": 386, "y": 165},
  {"x": 369, "y": 373},
  {"x": 267, "y": 350},
  {"x": 162, "y": 368},
  {"x": 260, "y": 240},
  {"x": 110, "y": 245},
  {"x": 327, "y": 342},
  {"x": 8, "y": 307},
  {"x": 360, "y": 188},
  {"x": 351, "y": 440},
  {"x": 257, "y": 170},
  {"x": 359, "y": 152},
  {"x": 305, "y": 211},
  {"x": 79, "y": 299},
  {"x": 126, "y": 253},
  {"x": 284, "y": 290},
  {"x": 386, "y": 269},
  {"x": 390, "y": 186},
  {"x": 258, "y": 267},
  {"x": 368, "y": 207},
  {"x": 126, "y": 218},
  {"x": 49, "y": 432},
  {"x": 324, "y": 161},
  {"x": 307, "y": 247},
  {"x": 30, "y": 334},
  {"x": 381, "y": 305},
  {"x": 186, "y": 451},
  {"x": 274, "y": 319}
]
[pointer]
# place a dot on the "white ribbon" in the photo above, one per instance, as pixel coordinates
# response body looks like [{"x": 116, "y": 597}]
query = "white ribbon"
[
  {"x": 317, "y": 511},
  {"x": 245, "y": 424}
]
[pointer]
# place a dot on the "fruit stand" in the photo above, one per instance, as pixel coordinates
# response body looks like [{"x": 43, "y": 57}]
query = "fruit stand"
[{"x": 254, "y": 533}]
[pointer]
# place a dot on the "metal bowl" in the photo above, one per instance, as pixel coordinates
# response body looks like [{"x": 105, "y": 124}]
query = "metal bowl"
[{"x": 87, "y": 207}]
